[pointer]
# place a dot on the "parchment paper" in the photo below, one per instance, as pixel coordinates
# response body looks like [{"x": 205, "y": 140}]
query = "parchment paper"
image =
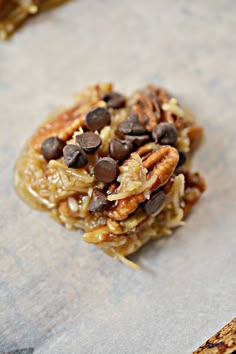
[{"x": 60, "y": 295}]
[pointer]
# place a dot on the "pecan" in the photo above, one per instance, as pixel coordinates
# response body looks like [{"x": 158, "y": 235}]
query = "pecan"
[
  {"x": 160, "y": 165},
  {"x": 146, "y": 150},
  {"x": 126, "y": 206},
  {"x": 153, "y": 96},
  {"x": 172, "y": 113},
  {"x": 176, "y": 120},
  {"x": 194, "y": 186},
  {"x": 191, "y": 197},
  {"x": 195, "y": 134},
  {"x": 163, "y": 163},
  {"x": 147, "y": 108},
  {"x": 194, "y": 179},
  {"x": 163, "y": 95},
  {"x": 63, "y": 125},
  {"x": 144, "y": 101},
  {"x": 67, "y": 122}
]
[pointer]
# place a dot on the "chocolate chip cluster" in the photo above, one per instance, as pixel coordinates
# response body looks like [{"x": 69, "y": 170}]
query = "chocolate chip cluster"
[{"x": 130, "y": 135}]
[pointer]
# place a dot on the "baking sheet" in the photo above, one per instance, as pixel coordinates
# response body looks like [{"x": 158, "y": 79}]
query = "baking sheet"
[{"x": 60, "y": 295}]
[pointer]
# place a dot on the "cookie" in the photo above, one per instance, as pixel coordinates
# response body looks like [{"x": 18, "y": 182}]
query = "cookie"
[
  {"x": 223, "y": 342},
  {"x": 14, "y": 13},
  {"x": 115, "y": 166}
]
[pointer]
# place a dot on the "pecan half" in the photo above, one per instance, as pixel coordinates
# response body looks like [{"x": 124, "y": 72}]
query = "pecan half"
[
  {"x": 66, "y": 123},
  {"x": 160, "y": 165},
  {"x": 147, "y": 108},
  {"x": 164, "y": 98},
  {"x": 63, "y": 126}
]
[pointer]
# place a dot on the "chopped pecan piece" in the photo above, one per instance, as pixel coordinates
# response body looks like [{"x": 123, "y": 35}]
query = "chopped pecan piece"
[
  {"x": 160, "y": 165},
  {"x": 194, "y": 186}
]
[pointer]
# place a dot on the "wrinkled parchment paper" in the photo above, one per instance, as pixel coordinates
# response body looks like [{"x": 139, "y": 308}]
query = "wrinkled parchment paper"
[{"x": 60, "y": 295}]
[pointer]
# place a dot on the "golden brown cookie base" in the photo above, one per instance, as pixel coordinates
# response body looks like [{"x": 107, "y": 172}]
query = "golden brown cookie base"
[{"x": 65, "y": 193}]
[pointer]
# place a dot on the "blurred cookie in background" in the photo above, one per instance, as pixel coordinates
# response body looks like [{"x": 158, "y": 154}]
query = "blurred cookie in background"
[{"x": 13, "y": 13}]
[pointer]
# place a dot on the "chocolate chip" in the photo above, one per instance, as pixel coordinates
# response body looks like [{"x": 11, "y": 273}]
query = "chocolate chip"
[
  {"x": 120, "y": 149},
  {"x": 152, "y": 207},
  {"x": 98, "y": 201},
  {"x": 74, "y": 156},
  {"x": 114, "y": 100},
  {"x": 97, "y": 118},
  {"x": 138, "y": 140},
  {"x": 89, "y": 142},
  {"x": 131, "y": 126},
  {"x": 106, "y": 170},
  {"x": 182, "y": 158},
  {"x": 52, "y": 148},
  {"x": 165, "y": 134}
]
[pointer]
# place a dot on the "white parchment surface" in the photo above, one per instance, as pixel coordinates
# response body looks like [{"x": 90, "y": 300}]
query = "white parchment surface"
[{"x": 60, "y": 295}]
